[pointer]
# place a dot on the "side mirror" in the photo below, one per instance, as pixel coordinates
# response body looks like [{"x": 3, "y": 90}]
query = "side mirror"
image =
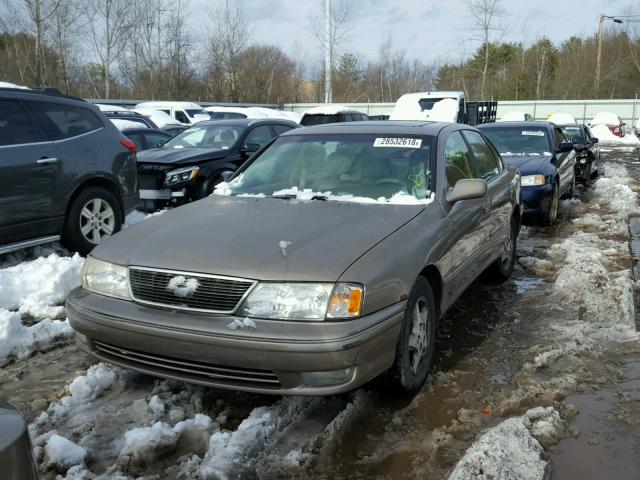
[
  {"x": 565, "y": 147},
  {"x": 226, "y": 176},
  {"x": 594, "y": 140},
  {"x": 467, "y": 189},
  {"x": 250, "y": 148}
]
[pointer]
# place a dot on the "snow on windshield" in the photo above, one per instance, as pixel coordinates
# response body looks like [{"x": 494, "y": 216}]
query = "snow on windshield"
[{"x": 348, "y": 168}]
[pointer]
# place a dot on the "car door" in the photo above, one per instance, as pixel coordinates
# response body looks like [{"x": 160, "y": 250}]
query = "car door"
[
  {"x": 489, "y": 167},
  {"x": 29, "y": 175},
  {"x": 565, "y": 161},
  {"x": 468, "y": 218}
]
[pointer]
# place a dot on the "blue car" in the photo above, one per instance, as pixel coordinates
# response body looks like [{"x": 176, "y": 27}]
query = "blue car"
[{"x": 545, "y": 159}]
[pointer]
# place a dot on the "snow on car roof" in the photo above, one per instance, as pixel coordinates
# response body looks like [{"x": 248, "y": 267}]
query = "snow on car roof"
[
  {"x": 561, "y": 118},
  {"x": 331, "y": 109},
  {"x": 111, "y": 108},
  {"x": 605, "y": 118},
  {"x": 516, "y": 116}
]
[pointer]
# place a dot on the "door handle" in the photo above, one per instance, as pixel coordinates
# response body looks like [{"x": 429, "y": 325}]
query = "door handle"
[{"x": 45, "y": 160}]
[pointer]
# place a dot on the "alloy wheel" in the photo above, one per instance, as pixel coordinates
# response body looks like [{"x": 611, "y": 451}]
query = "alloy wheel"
[
  {"x": 97, "y": 220},
  {"x": 420, "y": 333}
]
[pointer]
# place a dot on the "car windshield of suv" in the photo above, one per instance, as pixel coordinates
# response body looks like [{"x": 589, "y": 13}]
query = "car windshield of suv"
[
  {"x": 221, "y": 137},
  {"x": 519, "y": 140},
  {"x": 319, "y": 119},
  {"x": 362, "y": 168}
]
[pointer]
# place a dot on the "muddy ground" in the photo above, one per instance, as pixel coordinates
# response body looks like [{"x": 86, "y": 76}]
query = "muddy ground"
[{"x": 497, "y": 356}]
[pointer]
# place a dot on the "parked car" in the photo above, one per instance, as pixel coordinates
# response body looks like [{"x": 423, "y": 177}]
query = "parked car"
[
  {"x": 188, "y": 166},
  {"x": 146, "y": 138},
  {"x": 160, "y": 118},
  {"x": 325, "y": 261},
  {"x": 184, "y": 112},
  {"x": 227, "y": 113},
  {"x": 636, "y": 128},
  {"x": 124, "y": 118},
  {"x": 16, "y": 456},
  {"x": 443, "y": 107},
  {"x": 587, "y": 151},
  {"x": 611, "y": 120},
  {"x": 66, "y": 172},
  {"x": 331, "y": 114},
  {"x": 546, "y": 162},
  {"x": 516, "y": 117}
]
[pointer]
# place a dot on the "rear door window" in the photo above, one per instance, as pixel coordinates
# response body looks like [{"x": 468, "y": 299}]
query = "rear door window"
[
  {"x": 280, "y": 129},
  {"x": 259, "y": 135},
  {"x": 15, "y": 126},
  {"x": 457, "y": 159},
  {"x": 61, "y": 121},
  {"x": 486, "y": 161}
]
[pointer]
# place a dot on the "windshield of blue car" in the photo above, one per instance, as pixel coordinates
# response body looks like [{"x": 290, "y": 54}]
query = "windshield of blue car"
[
  {"x": 363, "y": 168},
  {"x": 519, "y": 140},
  {"x": 221, "y": 137}
]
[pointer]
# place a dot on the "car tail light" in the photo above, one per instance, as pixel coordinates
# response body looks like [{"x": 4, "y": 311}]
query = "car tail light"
[
  {"x": 129, "y": 145},
  {"x": 617, "y": 131}
]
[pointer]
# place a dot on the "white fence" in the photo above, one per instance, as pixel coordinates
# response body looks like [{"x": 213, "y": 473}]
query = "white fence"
[{"x": 582, "y": 110}]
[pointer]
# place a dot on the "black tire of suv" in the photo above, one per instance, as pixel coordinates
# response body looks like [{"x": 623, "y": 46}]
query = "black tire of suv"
[
  {"x": 72, "y": 237},
  {"x": 500, "y": 270},
  {"x": 401, "y": 375}
]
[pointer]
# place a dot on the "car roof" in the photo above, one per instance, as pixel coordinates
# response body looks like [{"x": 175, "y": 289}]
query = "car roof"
[
  {"x": 246, "y": 122},
  {"x": 44, "y": 93},
  {"x": 380, "y": 127},
  {"x": 537, "y": 123}
]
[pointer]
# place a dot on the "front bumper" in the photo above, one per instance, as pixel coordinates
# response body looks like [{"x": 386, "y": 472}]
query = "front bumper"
[
  {"x": 536, "y": 199},
  {"x": 199, "y": 348}
]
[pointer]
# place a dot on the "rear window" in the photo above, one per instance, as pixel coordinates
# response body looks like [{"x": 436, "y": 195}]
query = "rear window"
[
  {"x": 64, "y": 121},
  {"x": 319, "y": 119},
  {"x": 226, "y": 115},
  {"x": 15, "y": 126},
  {"x": 426, "y": 104},
  {"x": 194, "y": 112}
]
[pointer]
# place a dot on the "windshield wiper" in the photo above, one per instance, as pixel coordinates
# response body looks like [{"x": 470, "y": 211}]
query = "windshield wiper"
[
  {"x": 320, "y": 197},
  {"x": 285, "y": 196}
]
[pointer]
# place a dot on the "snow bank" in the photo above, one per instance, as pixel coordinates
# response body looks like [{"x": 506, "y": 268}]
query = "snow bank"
[
  {"x": 136, "y": 217},
  {"x": 331, "y": 110},
  {"x": 37, "y": 288},
  {"x": 144, "y": 445},
  {"x": 20, "y": 341},
  {"x": 63, "y": 453},
  {"x": 513, "y": 449},
  {"x": 605, "y": 137}
]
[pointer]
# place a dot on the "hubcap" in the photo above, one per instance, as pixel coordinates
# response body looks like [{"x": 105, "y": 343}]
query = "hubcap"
[
  {"x": 97, "y": 220},
  {"x": 420, "y": 333}
]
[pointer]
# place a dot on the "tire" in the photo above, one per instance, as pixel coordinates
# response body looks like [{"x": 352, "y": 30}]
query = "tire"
[
  {"x": 210, "y": 185},
  {"x": 414, "y": 350},
  {"x": 94, "y": 214},
  {"x": 500, "y": 270},
  {"x": 571, "y": 193},
  {"x": 550, "y": 217}
]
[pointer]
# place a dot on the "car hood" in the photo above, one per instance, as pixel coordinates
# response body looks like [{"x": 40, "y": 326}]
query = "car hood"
[
  {"x": 258, "y": 238},
  {"x": 527, "y": 164},
  {"x": 179, "y": 156}
]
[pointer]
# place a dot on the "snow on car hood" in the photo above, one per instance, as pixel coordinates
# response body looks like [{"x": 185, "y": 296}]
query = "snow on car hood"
[
  {"x": 180, "y": 156},
  {"x": 527, "y": 163},
  {"x": 243, "y": 237}
]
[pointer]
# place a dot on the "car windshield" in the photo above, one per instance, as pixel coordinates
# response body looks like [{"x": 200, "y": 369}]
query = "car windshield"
[
  {"x": 221, "y": 137},
  {"x": 573, "y": 133},
  {"x": 363, "y": 168},
  {"x": 519, "y": 140},
  {"x": 319, "y": 119}
]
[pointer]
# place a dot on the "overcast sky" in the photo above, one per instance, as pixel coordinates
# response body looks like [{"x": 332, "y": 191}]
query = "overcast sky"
[{"x": 430, "y": 30}]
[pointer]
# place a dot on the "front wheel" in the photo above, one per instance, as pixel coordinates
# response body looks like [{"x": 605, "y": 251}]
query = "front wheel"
[
  {"x": 94, "y": 215},
  {"x": 550, "y": 217},
  {"x": 502, "y": 268},
  {"x": 414, "y": 350}
]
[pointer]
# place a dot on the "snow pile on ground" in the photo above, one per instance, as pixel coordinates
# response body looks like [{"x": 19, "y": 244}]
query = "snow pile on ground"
[
  {"x": 513, "y": 449},
  {"x": 19, "y": 341},
  {"x": 62, "y": 453},
  {"x": 137, "y": 216},
  {"x": 39, "y": 287},
  {"x": 605, "y": 137}
]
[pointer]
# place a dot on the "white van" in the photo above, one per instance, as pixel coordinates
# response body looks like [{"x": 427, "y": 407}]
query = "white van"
[
  {"x": 433, "y": 106},
  {"x": 184, "y": 112}
]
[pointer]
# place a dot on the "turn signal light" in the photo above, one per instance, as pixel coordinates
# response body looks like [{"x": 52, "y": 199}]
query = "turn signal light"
[{"x": 346, "y": 301}]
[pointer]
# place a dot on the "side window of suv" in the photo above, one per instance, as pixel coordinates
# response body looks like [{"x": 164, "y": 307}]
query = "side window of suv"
[
  {"x": 280, "y": 129},
  {"x": 64, "y": 121},
  {"x": 457, "y": 159},
  {"x": 486, "y": 162},
  {"x": 259, "y": 135},
  {"x": 15, "y": 125}
]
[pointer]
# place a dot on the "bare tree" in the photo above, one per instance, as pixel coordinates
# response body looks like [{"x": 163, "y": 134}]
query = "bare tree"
[
  {"x": 108, "y": 24},
  {"x": 64, "y": 30},
  {"x": 484, "y": 14}
]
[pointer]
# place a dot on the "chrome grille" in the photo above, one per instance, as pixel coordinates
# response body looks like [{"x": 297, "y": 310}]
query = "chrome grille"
[
  {"x": 213, "y": 294},
  {"x": 188, "y": 369}
]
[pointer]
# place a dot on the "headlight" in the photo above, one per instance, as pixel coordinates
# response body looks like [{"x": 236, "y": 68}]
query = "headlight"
[
  {"x": 105, "y": 278},
  {"x": 181, "y": 175},
  {"x": 303, "y": 301},
  {"x": 531, "y": 180}
]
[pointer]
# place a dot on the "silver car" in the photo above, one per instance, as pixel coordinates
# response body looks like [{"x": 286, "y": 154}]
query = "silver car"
[{"x": 325, "y": 261}]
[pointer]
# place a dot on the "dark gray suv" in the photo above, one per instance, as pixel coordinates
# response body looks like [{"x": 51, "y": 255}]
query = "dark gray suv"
[{"x": 66, "y": 172}]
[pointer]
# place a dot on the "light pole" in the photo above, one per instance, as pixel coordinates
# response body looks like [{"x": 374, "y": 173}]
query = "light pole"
[
  {"x": 327, "y": 52},
  {"x": 599, "y": 57}
]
